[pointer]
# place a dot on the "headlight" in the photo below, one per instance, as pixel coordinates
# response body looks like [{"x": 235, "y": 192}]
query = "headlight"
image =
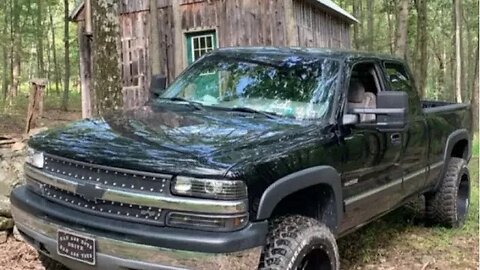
[
  {"x": 34, "y": 158},
  {"x": 209, "y": 188}
]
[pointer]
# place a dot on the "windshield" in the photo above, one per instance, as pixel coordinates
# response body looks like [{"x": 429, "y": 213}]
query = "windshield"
[{"x": 288, "y": 86}]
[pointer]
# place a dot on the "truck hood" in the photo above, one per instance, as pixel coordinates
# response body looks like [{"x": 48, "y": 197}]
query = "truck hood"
[{"x": 175, "y": 139}]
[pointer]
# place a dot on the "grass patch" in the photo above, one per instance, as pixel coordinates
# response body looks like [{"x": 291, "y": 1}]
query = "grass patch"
[{"x": 476, "y": 145}]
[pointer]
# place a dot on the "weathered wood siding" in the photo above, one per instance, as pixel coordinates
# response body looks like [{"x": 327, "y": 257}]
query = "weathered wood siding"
[
  {"x": 134, "y": 30},
  {"x": 237, "y": 23},
  {"x": 319, "y": 28}
]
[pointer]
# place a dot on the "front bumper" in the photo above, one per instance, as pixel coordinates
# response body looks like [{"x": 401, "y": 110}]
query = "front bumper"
[{"x": 40, "y": 230}]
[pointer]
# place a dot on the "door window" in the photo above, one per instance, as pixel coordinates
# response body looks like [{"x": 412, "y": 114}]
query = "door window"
[
  {"x": 398, "y": 77},
  {"x": 400, "y": 80}
]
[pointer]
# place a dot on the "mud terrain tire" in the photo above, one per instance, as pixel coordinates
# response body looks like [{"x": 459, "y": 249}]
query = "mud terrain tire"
[
  {"x": 448, "y": 206},
  {"x": 298, "y": 242}
]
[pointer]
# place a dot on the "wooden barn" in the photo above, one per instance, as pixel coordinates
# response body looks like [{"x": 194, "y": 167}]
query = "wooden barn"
[{"x": 190, "y": 28}]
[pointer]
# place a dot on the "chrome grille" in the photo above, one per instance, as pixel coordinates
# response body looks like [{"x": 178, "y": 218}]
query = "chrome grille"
[
  {"x": 123, "y": 194},
  {"x": 111, "y": 177},
  {"x": 128, "y": 212}
]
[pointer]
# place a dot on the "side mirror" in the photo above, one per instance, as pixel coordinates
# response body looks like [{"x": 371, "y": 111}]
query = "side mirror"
[
  {"x": 391, "y": 111},
  {"x": 157, "y": 85}
]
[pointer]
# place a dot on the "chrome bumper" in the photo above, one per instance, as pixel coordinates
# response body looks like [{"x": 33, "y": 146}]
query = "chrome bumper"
[{"x": 115, "y": 254}]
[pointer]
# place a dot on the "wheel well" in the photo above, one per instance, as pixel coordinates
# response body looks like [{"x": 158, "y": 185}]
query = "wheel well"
[
  {"x": 316, "y": 202},
  {"x": 460, "y": 149}
]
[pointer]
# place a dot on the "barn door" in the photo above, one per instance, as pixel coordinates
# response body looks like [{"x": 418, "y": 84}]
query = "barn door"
[{"x": 199, "y": 44}]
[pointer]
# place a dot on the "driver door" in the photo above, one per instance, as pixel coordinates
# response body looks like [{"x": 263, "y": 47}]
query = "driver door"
[{"x": 371, "y": 177}]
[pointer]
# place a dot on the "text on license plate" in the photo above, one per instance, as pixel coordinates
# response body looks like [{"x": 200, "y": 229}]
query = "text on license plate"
[{"x": 76, "y": 247}]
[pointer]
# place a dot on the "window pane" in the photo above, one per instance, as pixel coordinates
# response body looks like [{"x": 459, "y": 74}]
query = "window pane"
[
  {"x": 209, "y": 42},
  {"x": 397, "y": 76},
  {"x": 195, "y": 43},
  {"x": 202, "y": 42},
  {"x": 196, "y": 55}
]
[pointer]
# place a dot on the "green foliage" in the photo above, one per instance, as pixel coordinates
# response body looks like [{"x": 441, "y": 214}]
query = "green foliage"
[
  {"x": 25, "y": 33},
  {"x": 440, "y": 29},
  {"x": 476, "y": 145}
]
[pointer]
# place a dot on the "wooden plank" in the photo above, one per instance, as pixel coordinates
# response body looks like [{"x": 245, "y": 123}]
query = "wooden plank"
[
  {"x": 85, "y": 72},
  {"x": 280, "y": 23},
  {"x": 178, "y": 34},
  {"x": 35, "y": 104},
  {"x": 269, "y": 30}
]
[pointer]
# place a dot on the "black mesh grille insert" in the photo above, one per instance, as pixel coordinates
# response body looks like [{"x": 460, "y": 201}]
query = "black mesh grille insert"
[
  {"x": 110, "y": 177},
  {"x": 128, "y": 212}
]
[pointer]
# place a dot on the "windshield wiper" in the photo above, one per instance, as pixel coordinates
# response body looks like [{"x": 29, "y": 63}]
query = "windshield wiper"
[
  {"x": 196, "y": 105},
  {"x": 250, "y": 110}
]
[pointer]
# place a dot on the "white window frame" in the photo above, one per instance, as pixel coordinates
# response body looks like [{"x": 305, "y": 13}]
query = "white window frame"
[{"x": 206, "y": 48}]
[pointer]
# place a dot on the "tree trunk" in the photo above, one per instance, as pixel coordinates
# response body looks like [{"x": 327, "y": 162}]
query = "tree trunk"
[
  {"x": 49, "y": 60},
  {"x": 422, "y": 49},
  {"x": 469, "y": 66},
  {"x": 5, "y": 72},
  {"x": 56, "y": 74},
  {"x": 459, "y": 76},
  {"x": 107, "y": 77},
  {"x": 16, "y": 62},
  {"x": 156, "y": 64},
  {"x": 16, "y": 45},
  {"x": 402, "y": 29},
  {"x": 370, "y": 24},
  {"x": 474, "y": 100},
  {"x": 40, "y": 38},
  {"x": 66, "y": 79},
  {"x": 361, "y": 17},
  {"x": 440, "y": 55},
  {"x": 391, "y": 35},
  {"x": 5, "y": 54},
  {"x": 356, "y": 30}
]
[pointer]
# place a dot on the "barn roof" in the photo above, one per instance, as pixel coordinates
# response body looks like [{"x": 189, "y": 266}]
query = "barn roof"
[
  {"x": 76, "y": 11},
  {"x": 336, "y": 9},
  {"x": 327, "y": 4}
]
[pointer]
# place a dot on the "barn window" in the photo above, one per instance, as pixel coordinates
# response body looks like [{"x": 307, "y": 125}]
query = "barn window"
[{"x": 200, "y": 43}]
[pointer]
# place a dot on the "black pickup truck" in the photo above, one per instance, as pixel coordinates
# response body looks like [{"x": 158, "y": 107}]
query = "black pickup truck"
[{"x": 254, "y": 158}]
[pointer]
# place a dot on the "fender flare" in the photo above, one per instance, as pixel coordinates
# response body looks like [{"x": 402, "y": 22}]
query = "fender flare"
[
  {"x": 453, "y": 138},
  {"x": 300, "y": 180}
]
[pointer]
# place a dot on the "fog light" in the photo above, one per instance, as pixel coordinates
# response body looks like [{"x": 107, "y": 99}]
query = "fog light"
[
  {"x": 35, "y": 158},
  {"x": 207, "y": 222}
]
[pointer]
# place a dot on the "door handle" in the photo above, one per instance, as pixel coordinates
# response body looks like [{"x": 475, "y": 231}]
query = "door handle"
[{"x": 396, "y": 138}]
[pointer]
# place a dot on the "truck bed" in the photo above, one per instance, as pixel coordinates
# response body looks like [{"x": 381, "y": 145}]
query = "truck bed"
[{"x": 430, "y": 106}]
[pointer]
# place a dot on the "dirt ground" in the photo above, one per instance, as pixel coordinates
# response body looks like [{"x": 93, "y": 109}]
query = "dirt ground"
[
  {"x": 16, "y": 255},
  {"x": 409, "y": 248},
  {"x": 15, "y": 123},
  {"x": 397, "y": 241}
]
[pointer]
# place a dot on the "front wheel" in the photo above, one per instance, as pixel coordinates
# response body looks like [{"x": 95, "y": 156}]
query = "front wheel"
[{"x": 299, "y": 243}]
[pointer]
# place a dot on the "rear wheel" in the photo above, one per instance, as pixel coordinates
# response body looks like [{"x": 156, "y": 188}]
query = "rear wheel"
[
  {"x": 449, "y": 205},
  {"x": 299, "y": 243}
]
